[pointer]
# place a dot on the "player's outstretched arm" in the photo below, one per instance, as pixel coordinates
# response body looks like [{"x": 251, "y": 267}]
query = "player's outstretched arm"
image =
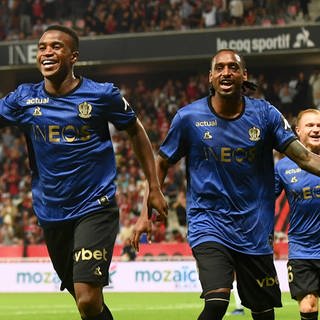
[
  {"x": 143, "y": 150},
  {"x": 303, "y": 157}
]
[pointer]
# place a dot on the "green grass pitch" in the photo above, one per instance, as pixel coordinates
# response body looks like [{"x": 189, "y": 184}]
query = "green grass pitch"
[{"x": 124, "y": 306}]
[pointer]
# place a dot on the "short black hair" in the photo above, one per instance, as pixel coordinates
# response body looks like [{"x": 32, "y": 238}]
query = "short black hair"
[
  {"x": 68, "y": 31},
  {"x": 247, "y": 85},
  {"x": 242, "y": 61}
]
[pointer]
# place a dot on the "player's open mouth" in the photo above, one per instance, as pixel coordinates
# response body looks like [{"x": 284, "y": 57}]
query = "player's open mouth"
[
  {"x": 47, "y": 63},
  {"x": 226, "y": 84}
]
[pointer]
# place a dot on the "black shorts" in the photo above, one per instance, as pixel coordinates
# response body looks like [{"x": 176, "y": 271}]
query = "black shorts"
[
  {"x": 81, "y": 250},
  {"x": 257, "y": 280},
  {"x": 304, "y": 277}
]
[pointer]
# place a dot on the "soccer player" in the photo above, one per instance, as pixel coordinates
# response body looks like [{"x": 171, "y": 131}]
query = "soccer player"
[
  {"x": 65, "y": 118},
  {"x": 302, "y": 191},
  {"x": 228, "y": 141}
]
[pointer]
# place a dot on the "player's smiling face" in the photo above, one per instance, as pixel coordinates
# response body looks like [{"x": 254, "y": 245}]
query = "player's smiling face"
[
  {"x": 308, "y": 130},
  {"x": 227, "y": 73},
  {"x": 55, "y": 56}
]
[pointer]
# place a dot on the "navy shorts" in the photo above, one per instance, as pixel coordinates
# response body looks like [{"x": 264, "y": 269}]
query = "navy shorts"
[
  {"x": 257, "y": 280},
  {"x": 304, "y": 277},
  {"x": 81, "y": 250}
]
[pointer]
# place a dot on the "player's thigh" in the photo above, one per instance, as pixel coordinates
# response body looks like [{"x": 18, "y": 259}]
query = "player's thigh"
[
  {"x": 59, "y": 240},
  {"x": 215, "y": 266},
  {"x": 94, "y": 241},
  {"x": 258, "y": 284},
  {"x": 303, "y": 277}
]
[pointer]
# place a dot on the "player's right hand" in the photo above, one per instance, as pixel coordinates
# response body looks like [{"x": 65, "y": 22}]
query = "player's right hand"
[{"x": 143, "y": 225}]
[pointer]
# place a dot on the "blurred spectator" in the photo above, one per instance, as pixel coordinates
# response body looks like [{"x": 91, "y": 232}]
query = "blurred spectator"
[
  {"x": 236, "y": 9},
  {"x": 209, "y": 15},
  {"x": 125, "y": 230},
  {"x": 301, "y": 99},
  {"x": 26, "y": 19},
  {"x": 180, "y": 207},
  {"x": 314, "y": 82},
  {"x": 286, "y": 95}
]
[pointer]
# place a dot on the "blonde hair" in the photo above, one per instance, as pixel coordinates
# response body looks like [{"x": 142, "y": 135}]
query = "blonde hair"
[{"x": 301, "y": 113}]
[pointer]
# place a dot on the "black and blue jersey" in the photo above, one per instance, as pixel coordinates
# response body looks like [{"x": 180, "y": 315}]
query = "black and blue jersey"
[
  {"x": 71, "y": 153},
  {"x": 303, "y": 193},
  {"x": 230, "y": 172}
]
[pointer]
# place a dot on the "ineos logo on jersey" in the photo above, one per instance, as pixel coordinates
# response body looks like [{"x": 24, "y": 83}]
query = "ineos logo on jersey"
[
  {"x": 87, "y": 254},
  {"x": 228, "y": 155},
  {"x": 57, "y": 134},
  {"x": 306, "y": 193}
]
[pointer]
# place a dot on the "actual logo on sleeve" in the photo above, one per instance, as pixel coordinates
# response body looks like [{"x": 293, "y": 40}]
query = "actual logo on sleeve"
[
  {"x": 254, "y": 134},
  {"x": 85, "y": 109}
]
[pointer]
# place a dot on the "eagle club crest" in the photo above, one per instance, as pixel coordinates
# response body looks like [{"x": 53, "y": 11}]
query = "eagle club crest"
[
  {"x": 85, "y": 109},
  {"x": 254, "y": 134}
]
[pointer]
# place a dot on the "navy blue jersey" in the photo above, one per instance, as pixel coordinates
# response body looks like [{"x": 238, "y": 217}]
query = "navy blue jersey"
[
  {"x": 71, "y": 153},
  {"x": 303, "y": 193},
  {"x": 230, "y": 172}
]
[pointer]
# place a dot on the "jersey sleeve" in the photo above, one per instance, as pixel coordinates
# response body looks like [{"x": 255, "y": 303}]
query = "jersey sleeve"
[
  {"x": 121, "y": 114},
  {"x": 278, "y": 187},
  {"x": 9, "y": 110},
  {"x": 173, "y": 147},
  {"x": 280, "y": 129}
]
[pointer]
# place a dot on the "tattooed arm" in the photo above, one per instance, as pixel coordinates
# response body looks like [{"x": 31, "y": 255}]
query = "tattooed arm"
[{"x": 304, "y": 158}]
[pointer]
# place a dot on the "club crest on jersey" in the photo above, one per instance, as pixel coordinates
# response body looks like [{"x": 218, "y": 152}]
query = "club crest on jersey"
[
  {"x": 254, "y": 134},
  {"x": 207, "y": 136},
  {"x": 85, "y": 109},
  {"x": 37, "y": 111}
]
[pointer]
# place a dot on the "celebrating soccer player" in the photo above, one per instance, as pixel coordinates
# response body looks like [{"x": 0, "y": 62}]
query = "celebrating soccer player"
[
  {"x": 228, "y": 141},
  {"x": 65, "y": 118}
]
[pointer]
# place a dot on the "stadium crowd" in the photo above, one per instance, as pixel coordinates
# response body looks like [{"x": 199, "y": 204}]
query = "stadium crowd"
[
  {"x": 155, "y": 107},
  {"x": 27, "y": 19}
]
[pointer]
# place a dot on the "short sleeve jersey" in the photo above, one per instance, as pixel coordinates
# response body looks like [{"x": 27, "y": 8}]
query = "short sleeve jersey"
[
  {"x": 230, "y": 172},
  {"x": 303, "y": 193},
  {"x": 70, "y": 149}
]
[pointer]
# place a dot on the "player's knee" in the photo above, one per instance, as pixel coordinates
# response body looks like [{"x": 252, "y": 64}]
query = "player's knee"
[
  {"x": 215, "y": 307},
  {"x": 87, "y": 305},
  {"x": 309, "y": 303}
]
